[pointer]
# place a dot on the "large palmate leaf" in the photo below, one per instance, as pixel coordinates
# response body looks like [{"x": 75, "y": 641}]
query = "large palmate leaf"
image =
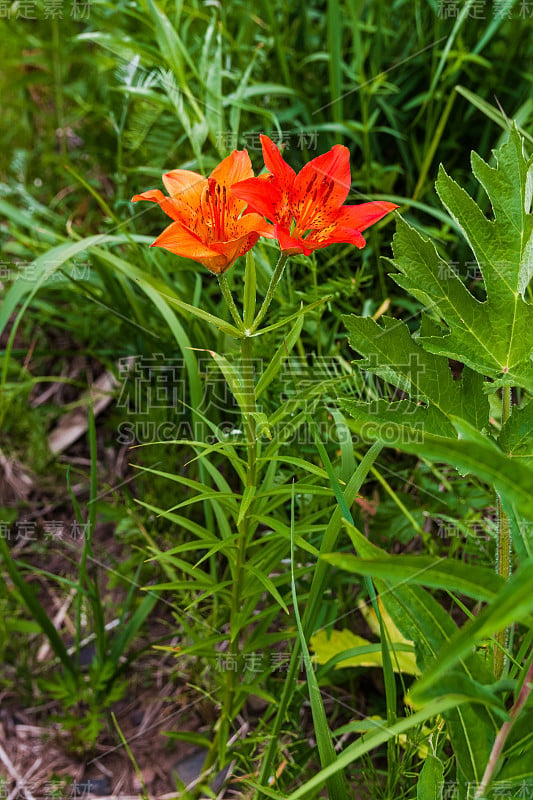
[
  {"x": 492, "y": 337},
  {"x": 394, "y": 355},
  {"x": 516, "y": 437},
  {"x": 438, "y": 415}
]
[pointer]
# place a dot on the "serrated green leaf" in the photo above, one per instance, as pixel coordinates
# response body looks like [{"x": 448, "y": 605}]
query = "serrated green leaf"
[
  {"x": 516, "y": 436},
  {"x": 492, "y": 337},
  {"x": 411, "y": 418},
  {"x": 391, "y": 353}
]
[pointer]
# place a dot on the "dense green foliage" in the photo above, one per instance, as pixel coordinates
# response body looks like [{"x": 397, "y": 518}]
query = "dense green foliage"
[{"x": 96, "y": 103}]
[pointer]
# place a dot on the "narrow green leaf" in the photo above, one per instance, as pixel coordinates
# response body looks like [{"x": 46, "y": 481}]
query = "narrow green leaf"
[
  {"x": 35, "y": 608},
  {"x": 212, "y": 65},
  {"x": 465, "y": 688},
  {"x": 504, "y": 11},
  {"x": 269, "y": 586},
  {"x": 320, "y": 574},
  {"x": 171, "y": 47},
  {"x": 422, "y": 620},
  {"x": 431, "y": 779},
  {"x": 474, "y": 581},
  {"x": 496, "y": 114},
  {"x": 335, "y": 782},
  {"x": 512, "y": 603},
  {"x": 510, "y": 478},
  {"x": 247, "y": 499},
  {"x": 281, "y": 354},
  {"x": 369, "y": 742},
  {"x": 290, "y": 318},
  {"x": 335, "y": 21},
  {"x": 221, "y": 324},
  {"x": 128, "y": 630}
]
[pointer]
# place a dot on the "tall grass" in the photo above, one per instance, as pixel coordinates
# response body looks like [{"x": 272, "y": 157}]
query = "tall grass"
[{"x": 95, "y": 110}]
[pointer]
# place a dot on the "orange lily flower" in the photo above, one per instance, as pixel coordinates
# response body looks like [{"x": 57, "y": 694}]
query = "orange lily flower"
[
  {"x": 209, "y": 225},
  {"x": 307, "y": 209}
]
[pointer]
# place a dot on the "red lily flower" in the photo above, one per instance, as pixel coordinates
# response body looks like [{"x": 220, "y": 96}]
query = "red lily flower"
[
  {"x": 209, "y": 225},
  {"x": 307, "y": 209}
]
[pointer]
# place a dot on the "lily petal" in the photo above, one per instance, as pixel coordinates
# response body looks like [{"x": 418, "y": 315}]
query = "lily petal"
[
  {"x": 261, "y": 194},
  {"x": 183, "y": 242},
  {"x": 236, "y": 167},
  {"x": 283, "y": 174},
  {"x": 364, "y": 214},
  {"x": 157, "y": 196},
  {"x": 321, "y": 187},
  {"x": 334, "y": 234},
  {"x": 253, "y": 223},
  {"x": 230, "y": 251},
  {"x": 181, "y": 180},
  {"x": 185, "y": 188},
  {"x": 290, "y": 245}
]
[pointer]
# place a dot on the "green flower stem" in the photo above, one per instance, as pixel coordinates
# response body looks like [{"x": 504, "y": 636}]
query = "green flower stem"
[
  {"x": 503, "y": 562},
  {"x": 230, "y": 302},
  {"x": 228, "y": 710},
  {"x": 247, "y": 365},
  {"x": 244, "y": 532},
  {"x": 278, "y": 272}
]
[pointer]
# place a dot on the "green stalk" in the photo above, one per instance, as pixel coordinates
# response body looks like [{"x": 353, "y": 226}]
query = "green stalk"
[
  {"x": 230, "y": 302},
  {"x": 218, "y": 748},
  {"x": 247, "y": 355},
  {"x": 319, "y": 309},
  {"x": 278, "y": 272},
  {"x": 503, "y": 557},
  {"x": 244, "y": 528}
]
